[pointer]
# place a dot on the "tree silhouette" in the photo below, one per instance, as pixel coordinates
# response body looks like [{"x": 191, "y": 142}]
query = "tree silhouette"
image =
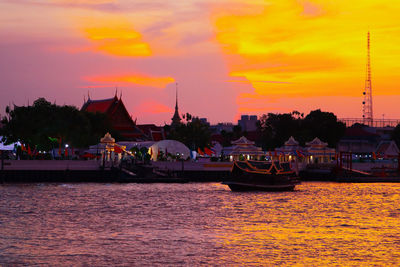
[{"x": 33, "y": 125}]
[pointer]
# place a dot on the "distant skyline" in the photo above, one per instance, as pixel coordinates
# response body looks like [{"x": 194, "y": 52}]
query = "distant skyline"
[{"x": 229, "y": 57}]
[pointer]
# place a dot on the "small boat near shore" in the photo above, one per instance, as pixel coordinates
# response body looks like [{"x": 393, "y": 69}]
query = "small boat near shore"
[{"x": 261, "y": 176}]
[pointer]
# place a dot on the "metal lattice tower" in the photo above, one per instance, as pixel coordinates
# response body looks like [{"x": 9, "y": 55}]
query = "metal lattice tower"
[{"x": 367, "y": 103}]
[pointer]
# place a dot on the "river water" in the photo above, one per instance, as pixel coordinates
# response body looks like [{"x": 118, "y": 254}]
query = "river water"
[{"x": 198, "y": 224}]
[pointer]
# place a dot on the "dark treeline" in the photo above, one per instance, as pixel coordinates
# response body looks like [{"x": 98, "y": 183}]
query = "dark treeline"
[
  {"x": 272, "y": 130},
  {"x": 44, "y": 125},
  {"x": 194, "y": 133},
  {"x": 275, "y": 129}
]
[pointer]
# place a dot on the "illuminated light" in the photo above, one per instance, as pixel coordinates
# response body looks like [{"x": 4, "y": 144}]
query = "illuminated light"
[
  {"x": 140, "y": 79},
  {"x": 66, "y": 145}
]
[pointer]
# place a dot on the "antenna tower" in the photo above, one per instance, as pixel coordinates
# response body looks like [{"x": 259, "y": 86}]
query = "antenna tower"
[{"x": 367, "y": 103}]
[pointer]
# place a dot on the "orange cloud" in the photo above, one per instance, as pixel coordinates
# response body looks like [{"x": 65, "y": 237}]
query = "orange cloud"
[
  {"x": 157, "y": 82},
  {"x": 116, "y": 37},
  {"x": 312, "y": 47}
]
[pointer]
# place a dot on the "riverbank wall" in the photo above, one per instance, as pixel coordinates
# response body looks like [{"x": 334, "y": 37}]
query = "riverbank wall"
[
  {"x": 20, "y": 171},
  {"x": 64, "y": 171}
]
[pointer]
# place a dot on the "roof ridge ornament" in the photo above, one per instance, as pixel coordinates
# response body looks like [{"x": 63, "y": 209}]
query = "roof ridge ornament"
[{"x": 107, "y": 138}]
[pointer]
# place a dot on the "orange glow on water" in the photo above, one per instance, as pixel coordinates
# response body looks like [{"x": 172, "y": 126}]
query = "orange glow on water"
[
  {"x": 286, "y": 229},
  {"x": 139, "y": 79}
]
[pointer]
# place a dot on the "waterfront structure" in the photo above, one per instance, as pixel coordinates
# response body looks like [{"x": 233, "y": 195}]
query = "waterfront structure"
[
  {"x": 117, "y": 114},
  {"x": 319, "y": 152},
  {"x": 363, "y": 141},
  {"x": 176, "y": 119},
  {"x": 243, "y": 148},
  {"x": 290, "y": 149},
  {"x": 112, "y": 152},
  {"x": 290, "y": 146},
  {"x": 387, "y": 149}
]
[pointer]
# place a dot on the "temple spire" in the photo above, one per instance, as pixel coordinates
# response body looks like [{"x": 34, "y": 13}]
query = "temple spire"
[
  {"x": 176, "y": 119},
  {"x": 176, "y": 96}
]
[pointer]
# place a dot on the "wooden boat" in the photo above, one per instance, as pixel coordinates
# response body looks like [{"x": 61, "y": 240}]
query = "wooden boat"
[{"x": 261, "y": 176}]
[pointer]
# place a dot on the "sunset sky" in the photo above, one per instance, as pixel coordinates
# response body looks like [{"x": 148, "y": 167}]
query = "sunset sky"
[{"x": 229, "y": 57}]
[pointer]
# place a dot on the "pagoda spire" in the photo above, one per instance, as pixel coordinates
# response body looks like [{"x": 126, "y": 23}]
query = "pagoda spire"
[
  {"x": 176, "y": 119},
  {"x": 176, "y": 96}
]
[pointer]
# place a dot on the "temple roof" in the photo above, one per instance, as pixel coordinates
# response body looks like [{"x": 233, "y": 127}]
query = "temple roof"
[
  {"x": 291, "y": 142},
  {"x": 103, "y": 105},
  {"x": 251, "y": 150},
  {"x": 387, "y": 149},
  {"x": 245, "y": 146},
  {"x": 243, "y": 141},
  {"x": 155, "y": 133},
  {"x": 317, "y": 143},
  {"x": 119, "y": 117}
]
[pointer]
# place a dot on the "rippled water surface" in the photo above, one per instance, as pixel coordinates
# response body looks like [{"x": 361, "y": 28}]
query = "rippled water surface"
[{"x": 199, "y": 224}]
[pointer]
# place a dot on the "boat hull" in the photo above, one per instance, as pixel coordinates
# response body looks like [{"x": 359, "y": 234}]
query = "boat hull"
[{"x": 242, "y": 187}]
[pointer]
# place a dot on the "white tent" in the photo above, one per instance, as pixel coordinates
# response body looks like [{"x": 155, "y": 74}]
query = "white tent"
[
  {"x": 130, "y": 144},
  {"x": 7, "y": 147},
  {"x": 171, "y": 147}
]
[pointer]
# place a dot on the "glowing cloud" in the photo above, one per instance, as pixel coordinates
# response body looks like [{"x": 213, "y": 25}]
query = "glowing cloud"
[
  {"x": 157, "y": 82},
  {"x": 313, "y": 47},
  {"x": 116, "y": 37}
]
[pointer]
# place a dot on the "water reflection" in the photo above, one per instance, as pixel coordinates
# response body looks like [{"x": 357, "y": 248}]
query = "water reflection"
[{"x": 192, "y": 224}]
